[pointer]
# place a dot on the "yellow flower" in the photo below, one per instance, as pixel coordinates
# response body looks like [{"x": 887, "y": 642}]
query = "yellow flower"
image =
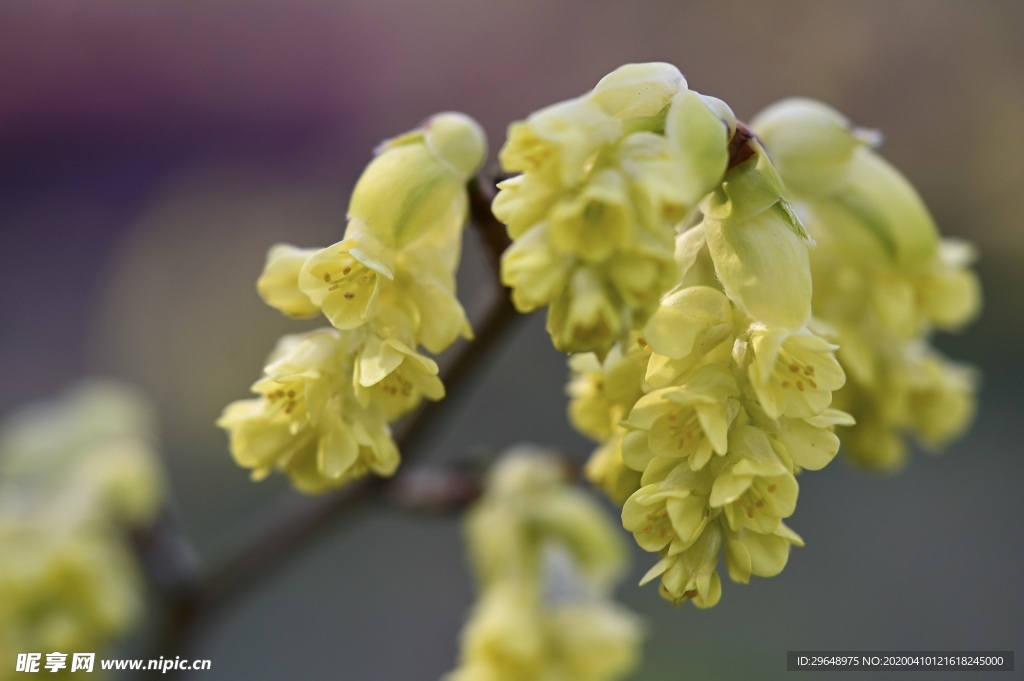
[
  {"x": 751, "y": 553},
  {"x": 595, "y": 224},
  {"x": 949, "y": 295},
  {"x": 606, "y": 470},
  {"x": 822, "y": 158},
  {"x": 416, "y": 184},
  {"x": 603, "y": 393},
  {"x": 811, "y": 143},
  {"x": 698, "y": 129},
  {"x": 690, "y": 574},
  {"x": 504, "y": 638},
  {"x": 793, "y": 374},
  {"x": 344, "y": 280},
  {"x": 93, "y": 448},
  {"x": 638, "y": 90},
  {"x": 63, "y": 586},
  {"x": 585, "y": 316},
  {"x": 594, "y": 641},
  {"x": 811, "y": 443},
  {"x": 560, "y": 141},
  {"x": 533, "y": 270},
  {"x": 601, "y": 396},
  {"x": 754, "y": 487},
  {"x": 394, "y": 377},
  {"x": 688, "y": 421},
  {"x": 308, "y": 422},
  {"x": 278, "y": 285},
  {"x": 76, "y": 474},
  {"x": 511, "y": 637},
  {"x": 605, "y": 179},
  {"x": 941, "y": 401},
  {"x": 546, "y": 558},
  {"x": 758, "y": 245},
  {"x": 528, "y": 500},
  {"x": 696, "y": 318},
  {"x": 424, "y": 290},
  {"x": 670, "y": 510}
]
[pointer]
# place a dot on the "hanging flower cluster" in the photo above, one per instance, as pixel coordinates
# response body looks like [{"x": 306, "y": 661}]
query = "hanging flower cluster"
[
  {"x": 545, "y": 558},
  {"x": 711, "y": 392},
  {"x": 75, "y": 476},
  {"x": 728, "y": 395},
  {"x": 602, "y": 182},
  {"x": 388, "y": 288},
  {"x": 884, "y": 281}
]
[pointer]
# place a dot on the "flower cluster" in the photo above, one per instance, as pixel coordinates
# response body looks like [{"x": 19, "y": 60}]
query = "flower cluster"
[
  {"x": 545, "y": 558},
  {"x": 388, "y": 288},
  {"x": 75, "y": 476},
  {"x": 669, "y": 242},
  {"x": 722, "y": 398},
  {"x": 884, "y": 280},
  {"x": 601, "y": 182}
]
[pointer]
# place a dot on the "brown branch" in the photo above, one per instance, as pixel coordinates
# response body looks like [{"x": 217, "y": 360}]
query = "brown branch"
[{"x": 192, "y": 602}]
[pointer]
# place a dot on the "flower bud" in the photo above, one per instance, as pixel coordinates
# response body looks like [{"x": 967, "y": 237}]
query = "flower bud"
[
  {"x": 638, "y": 90},
  {"x": 811, "y": 144},
  {"x": 758, "y": 246},
  {"x": 416, "y": 184},
  {"x": 700, "y": 138},
  {"x": 457, "y": 141}
]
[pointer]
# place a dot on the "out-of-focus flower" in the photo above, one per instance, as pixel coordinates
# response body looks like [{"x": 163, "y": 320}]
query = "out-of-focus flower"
[
  {"x": 546, "y": 559},
  {"x": 76, "y": 475},
  {"x": 883, "y": 280}
]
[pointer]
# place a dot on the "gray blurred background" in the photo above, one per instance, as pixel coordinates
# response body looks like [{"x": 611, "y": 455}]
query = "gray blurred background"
[{"x": 151, "y": 152}]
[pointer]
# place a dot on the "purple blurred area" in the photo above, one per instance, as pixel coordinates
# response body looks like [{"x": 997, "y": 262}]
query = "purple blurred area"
[{"x": 150, "y": 153}]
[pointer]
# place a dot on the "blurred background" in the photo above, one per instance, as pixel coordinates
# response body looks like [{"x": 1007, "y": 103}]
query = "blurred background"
[{"x": 150, "y": 153}]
